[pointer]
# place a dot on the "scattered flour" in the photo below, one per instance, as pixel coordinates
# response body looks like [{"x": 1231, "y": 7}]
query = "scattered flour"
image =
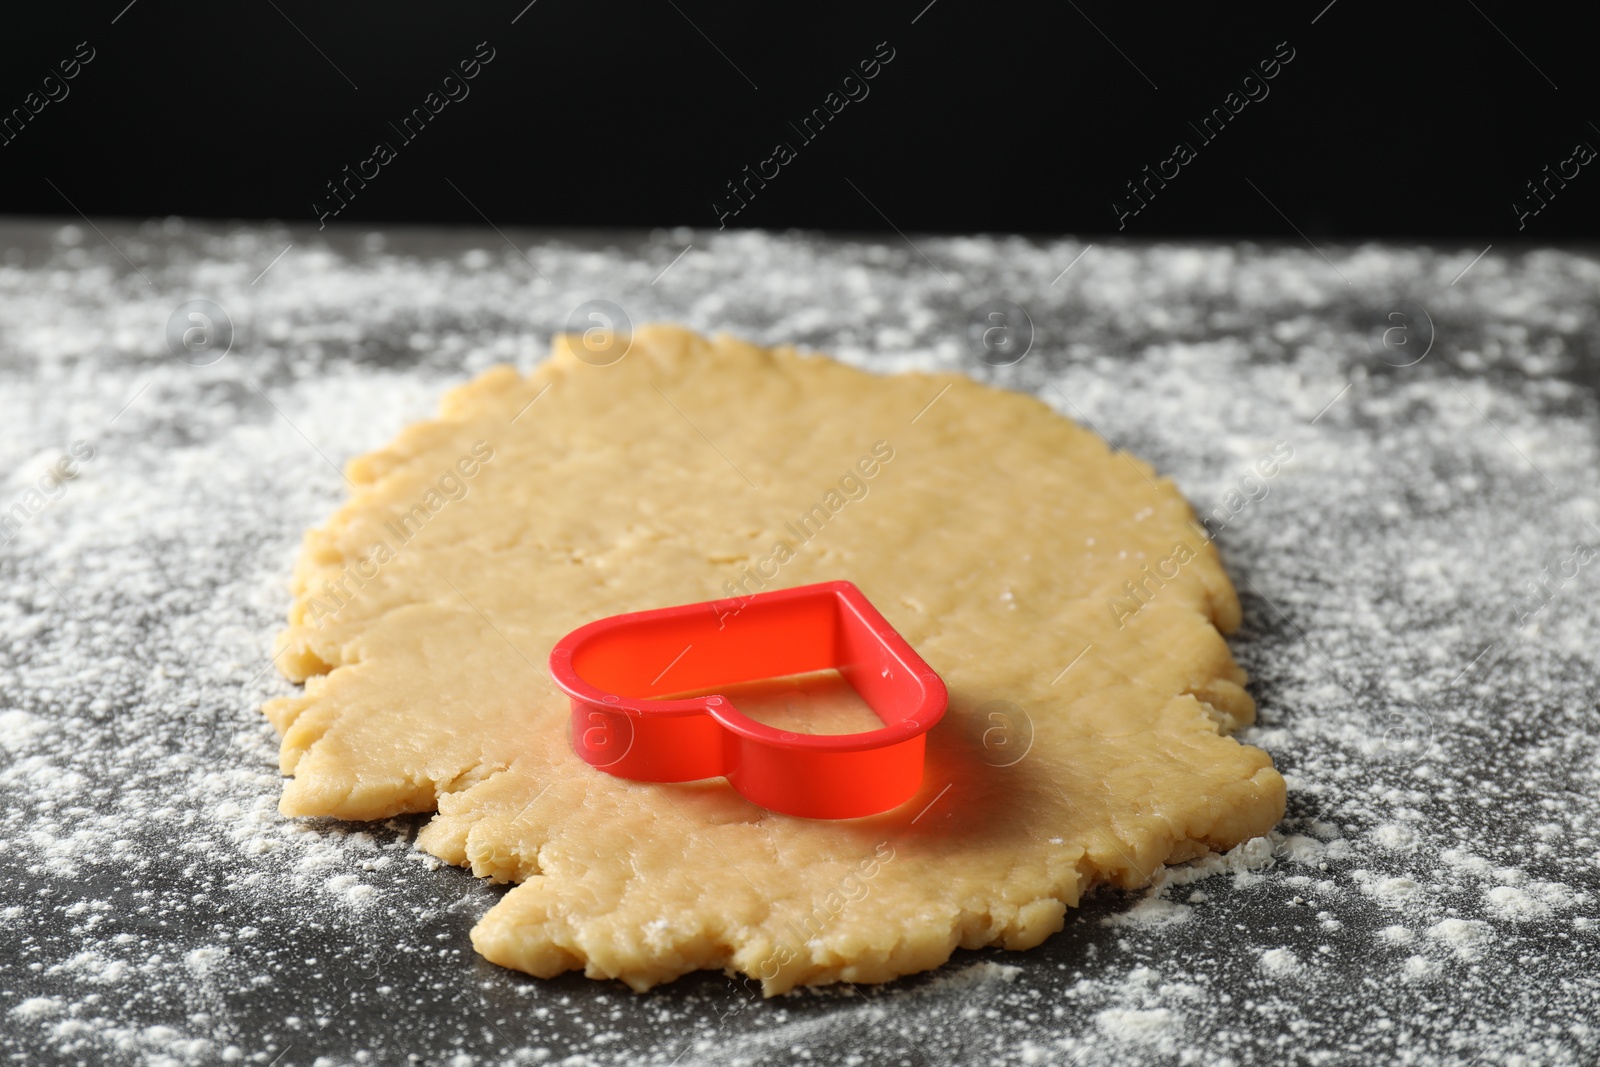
[
  {"x": 1509, "y": 902},
  {"x": 1467, "y": 937},
  {"x": 1280, "y": 962},
  {"x": 1396, "y": 935},
  {"x": 1157, "y": 1025},
  {"x": 1420, "y": 968},
  {"x": 973, "y": 974}
]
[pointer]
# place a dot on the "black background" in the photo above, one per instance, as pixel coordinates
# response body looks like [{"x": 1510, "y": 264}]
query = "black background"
[{"x": 1414, "y": 121}]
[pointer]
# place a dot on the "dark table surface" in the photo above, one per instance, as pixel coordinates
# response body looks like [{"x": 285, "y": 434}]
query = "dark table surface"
[{"x": 1431, "y": 897}]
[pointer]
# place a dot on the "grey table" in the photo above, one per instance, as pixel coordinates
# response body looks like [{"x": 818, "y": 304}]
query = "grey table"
[{"x": 1420, "y": 615}]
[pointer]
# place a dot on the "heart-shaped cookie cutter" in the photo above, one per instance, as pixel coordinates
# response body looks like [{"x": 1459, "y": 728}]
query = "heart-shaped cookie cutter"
[{"x": 614, "y": 668}]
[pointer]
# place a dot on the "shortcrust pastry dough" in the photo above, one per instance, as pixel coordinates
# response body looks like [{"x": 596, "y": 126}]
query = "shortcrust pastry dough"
[{"x": 1086, "y": 741}]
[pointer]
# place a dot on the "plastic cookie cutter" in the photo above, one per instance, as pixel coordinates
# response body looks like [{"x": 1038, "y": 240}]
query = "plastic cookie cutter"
[{"x": 614, "y": 668}]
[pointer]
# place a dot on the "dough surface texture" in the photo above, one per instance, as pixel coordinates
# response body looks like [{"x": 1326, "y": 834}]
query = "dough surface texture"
[{"x": 1086, "y": 741}]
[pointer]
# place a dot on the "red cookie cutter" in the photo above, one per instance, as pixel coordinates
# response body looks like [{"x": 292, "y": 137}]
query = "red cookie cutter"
[{"x": 614, "y": 667}]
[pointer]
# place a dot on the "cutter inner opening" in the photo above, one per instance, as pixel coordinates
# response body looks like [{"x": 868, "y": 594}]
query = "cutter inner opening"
[{"x": 818, "y": 702}]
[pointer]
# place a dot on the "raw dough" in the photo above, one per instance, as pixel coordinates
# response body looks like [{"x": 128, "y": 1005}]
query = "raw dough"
[{"x": 994, "y": 534}]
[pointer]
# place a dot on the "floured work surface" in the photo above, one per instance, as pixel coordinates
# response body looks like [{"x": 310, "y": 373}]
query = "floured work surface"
[
  {"x": 1442, "y": 757},
  {"x": 1062, "y": 591}
]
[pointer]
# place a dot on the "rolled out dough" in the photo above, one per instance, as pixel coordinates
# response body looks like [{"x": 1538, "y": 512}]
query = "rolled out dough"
[{"x": 1086, "y": 738}]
